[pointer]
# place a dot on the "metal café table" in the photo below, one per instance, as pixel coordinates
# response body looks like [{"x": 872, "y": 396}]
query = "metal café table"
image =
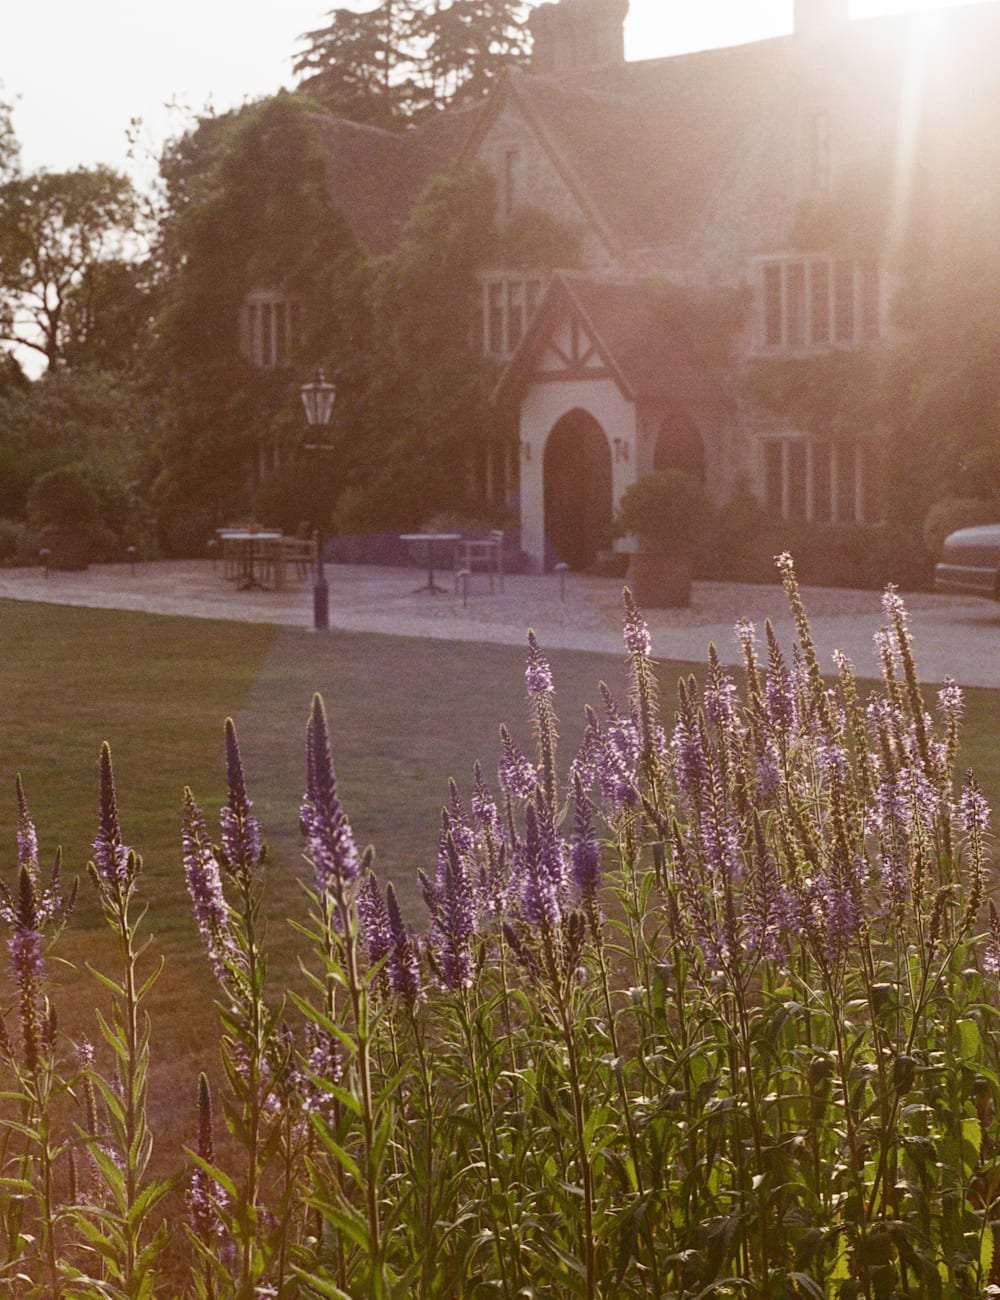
[
  {"x": 430, "y": 540},
  {"x": 248, "y": 542}
]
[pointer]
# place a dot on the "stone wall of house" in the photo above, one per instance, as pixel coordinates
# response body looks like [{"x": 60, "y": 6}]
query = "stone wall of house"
[{"x": 511, "y": 151}]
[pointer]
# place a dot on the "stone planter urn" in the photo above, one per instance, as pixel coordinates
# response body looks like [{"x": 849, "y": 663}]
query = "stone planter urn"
[
  {"x": 669, "y": 514},
  {"x": 659, "y": 581}
]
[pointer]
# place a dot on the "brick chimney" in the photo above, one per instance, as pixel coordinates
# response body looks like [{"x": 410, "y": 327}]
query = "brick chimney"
[
  {"x": 572, "y": 35},
  {"x": 817, "y": 17}
]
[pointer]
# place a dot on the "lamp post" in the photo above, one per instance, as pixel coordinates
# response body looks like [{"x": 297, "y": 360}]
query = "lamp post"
[{"x": 318, "y": 398}]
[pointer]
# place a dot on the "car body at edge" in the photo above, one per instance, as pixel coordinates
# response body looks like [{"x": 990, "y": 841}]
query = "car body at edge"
[{"x": 970, "y": 562}]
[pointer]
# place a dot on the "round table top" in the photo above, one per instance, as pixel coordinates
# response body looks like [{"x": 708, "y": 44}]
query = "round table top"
[
  {"x": 249, "y": 535},
  {"x": 430, "y": 537}
]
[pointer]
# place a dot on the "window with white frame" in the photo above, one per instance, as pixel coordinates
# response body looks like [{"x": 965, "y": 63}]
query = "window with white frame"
[
  {"x": 821, "y": 481},
  {"x": 815, "y": 302},
  {"x": 270, "y": 327},
  {"x": 507, "y": 303}
]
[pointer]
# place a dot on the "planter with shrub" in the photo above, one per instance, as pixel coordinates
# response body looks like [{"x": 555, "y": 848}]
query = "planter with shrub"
[
  {"x": 670, "y": 514},
  {"x": 63, "y": 506}
]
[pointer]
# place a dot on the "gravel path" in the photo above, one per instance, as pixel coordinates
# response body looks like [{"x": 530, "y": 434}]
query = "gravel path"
[{"x": 953, "y": 636}]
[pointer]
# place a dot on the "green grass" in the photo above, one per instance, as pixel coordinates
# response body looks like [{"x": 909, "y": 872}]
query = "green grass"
[{"x": 405, "y": 715}]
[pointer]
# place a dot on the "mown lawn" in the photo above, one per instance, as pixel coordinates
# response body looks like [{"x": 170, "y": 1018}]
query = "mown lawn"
[{"x": 405, "y": 716}]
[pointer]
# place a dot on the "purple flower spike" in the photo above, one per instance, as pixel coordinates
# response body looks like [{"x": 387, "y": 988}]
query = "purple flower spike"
[
  {"x": 374, "y": 920},
  {"x": 329, "y": 840},
  {"x": 539, "y": 892},
  {"x": 585, "y": 851},
  {"x": 115, "y": 867},
  {"x": 454, "y": 923},
  {"x": 27, "y": 840},
  {"x": 517, "y": 776},
  {"x": 991, "y": 950},
  {"x": 241, "y": 839},
  {"x": 635, "y": 630},
  {"x": 537, "y": 674},
  {"x": 204, "y": 883},
  {"x": 404, "y": 965},
  {"x": 484, "y": 808},
  {"x": 585, "y": 859},
  {"x": 973, "y": 807}
]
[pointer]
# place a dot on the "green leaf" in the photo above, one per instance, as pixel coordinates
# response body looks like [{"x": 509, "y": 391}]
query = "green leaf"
[{"x": 970, "y": 1042}]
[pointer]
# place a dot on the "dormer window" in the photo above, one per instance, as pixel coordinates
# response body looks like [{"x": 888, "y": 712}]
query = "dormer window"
[
  {"x": 811, "y": 302},
  {"x": 270, "y": 326}
]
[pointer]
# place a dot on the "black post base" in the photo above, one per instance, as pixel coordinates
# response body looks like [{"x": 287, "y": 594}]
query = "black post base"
[{"x": 321, "y": 605}]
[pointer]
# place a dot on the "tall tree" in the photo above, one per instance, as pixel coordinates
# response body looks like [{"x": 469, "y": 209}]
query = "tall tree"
[
  {"x": 405, "y": 58},
  {"x": 10, "y": 148},
  {"x": 59, "y": 231},
  {"x": 259, "y": 218},
  {"x": 360, "y": 66},
  {"x": 467, "y": 44}
]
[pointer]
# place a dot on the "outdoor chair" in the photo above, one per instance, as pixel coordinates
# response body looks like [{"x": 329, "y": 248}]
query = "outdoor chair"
[
  {"x": 486, "y": 552},
  {"x": 299, "y": 555}
]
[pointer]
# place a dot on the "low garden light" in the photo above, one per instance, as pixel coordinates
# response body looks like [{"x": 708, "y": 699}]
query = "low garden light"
[{"x": 318, "y": 398}]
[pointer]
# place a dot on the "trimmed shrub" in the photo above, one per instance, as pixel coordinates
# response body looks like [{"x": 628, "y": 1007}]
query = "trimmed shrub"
[
  {"x": 63, "y": 496},
  {"x": 13, "y": 540}
]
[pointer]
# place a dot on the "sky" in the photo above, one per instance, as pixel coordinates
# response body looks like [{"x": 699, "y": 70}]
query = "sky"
[{"x": 77, "y": 72}]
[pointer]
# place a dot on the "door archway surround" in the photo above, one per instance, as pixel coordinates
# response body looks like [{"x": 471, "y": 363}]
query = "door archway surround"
[{"x": 679, "y": 443}]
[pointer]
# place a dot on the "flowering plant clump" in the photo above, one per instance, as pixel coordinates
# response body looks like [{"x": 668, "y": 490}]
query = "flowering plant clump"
[{"x": 711, "y": 1010}]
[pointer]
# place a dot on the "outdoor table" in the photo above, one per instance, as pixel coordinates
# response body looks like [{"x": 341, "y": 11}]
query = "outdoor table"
[
  {"x": 247, "y": 542},
  {"x": 430, "y": 539}
]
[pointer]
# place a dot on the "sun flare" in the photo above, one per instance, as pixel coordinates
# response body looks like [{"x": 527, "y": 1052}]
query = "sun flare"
[{"x": 656, "y": 27}]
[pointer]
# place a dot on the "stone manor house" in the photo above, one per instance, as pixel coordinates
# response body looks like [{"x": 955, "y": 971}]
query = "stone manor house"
[{"x": 738, "y": 209}]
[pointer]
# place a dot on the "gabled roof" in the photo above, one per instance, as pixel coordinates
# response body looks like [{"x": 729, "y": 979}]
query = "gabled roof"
[
  {"x": 646, "y": 354},
  {"x": 651, "y": 150},
  {"x": 376, "y": 176}
]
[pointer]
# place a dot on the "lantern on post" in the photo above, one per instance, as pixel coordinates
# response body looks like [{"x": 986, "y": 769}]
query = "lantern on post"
[{"x": 318, "y": 398}]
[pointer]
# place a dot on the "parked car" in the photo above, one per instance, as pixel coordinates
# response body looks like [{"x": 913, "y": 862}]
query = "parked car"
[{"x": 970, "y": 562}]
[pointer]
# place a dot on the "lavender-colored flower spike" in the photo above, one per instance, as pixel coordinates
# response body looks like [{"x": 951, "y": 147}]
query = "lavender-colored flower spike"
[
  {"x": 454, "y": 923},
  {"x": 539, "y": 892},
  {"x": 517, "y": 776},
  {"x": 585, "y": 851},
  {"x": 991, "y": 950},
  {"x": 329, "y": 840},
  {"x": 537, "y": 673},
  {"x": 404, "y": 965},
  {"x": 114, "y": 864},
  {"x": 27, "y": 840},
  {"x": 205, "y": 1195},
  {"x": 635, "y": 630},
  {"x": 538, "y": 677},
  {"x": 374, "y": 920},
  {"x": 484, "y": 808},
  {"x": 241, "y": 838},
  {"x": 974, "y": 809},
  {"x": 204, "y": 883}
]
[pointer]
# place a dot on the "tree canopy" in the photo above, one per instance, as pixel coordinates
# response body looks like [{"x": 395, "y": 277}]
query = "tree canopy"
[
  {"x": 406, "y": 58},
  {"x": 64, "y": 236},
  {"x": 258, "y": 217}
]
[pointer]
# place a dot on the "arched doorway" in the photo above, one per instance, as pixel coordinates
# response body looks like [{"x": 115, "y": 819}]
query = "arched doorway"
[
  {"x": 679, "y": 444},
  {"x": 578, "y": 500}
]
